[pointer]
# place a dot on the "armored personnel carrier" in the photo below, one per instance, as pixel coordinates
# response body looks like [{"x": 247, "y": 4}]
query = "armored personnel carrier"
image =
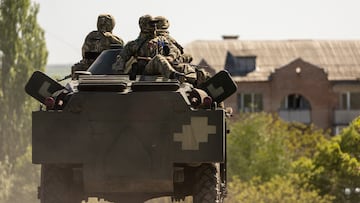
[{"x": 129, "y": 139}]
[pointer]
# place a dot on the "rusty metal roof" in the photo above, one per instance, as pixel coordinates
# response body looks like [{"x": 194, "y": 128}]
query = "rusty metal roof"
[{"x": 339, "y": 58}]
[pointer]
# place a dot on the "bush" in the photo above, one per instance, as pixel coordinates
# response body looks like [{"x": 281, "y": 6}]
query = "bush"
[
  {"x": 284, "y": 189},
  {"x": 6, "y": 179}
]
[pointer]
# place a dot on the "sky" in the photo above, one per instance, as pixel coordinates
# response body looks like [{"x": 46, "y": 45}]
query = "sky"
[{"x": 67, "y": 22}]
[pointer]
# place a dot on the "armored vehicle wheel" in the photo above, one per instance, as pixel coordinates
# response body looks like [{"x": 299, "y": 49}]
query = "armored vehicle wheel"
[
  {"x": 57, "y": 185},
  {"x": 207, "y": 185}
]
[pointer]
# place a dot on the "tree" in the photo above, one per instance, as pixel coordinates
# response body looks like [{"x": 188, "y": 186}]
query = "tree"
[
  {"x": 331, "y": 167},
  {"x": 263, "y": 145},
  {"x": 6, "y": 179},
  {"x": 26, "y": 179},
  {"x": 23, "y": 45},
  {"x": 270, "y": 160},
  {"x": 24, "y": 51},
  {"x": 284, "y": 189},
  {"x": 255, "y": 148},
  {"x": 336, "y": 166}
]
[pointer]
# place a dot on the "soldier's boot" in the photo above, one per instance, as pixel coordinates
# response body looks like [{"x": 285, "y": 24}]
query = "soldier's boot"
[{"x": 179, "y": 76}]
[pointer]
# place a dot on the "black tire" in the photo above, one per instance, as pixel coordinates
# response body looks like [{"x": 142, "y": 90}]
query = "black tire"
[
  {"x": 207, "y": 184},
  {"x": 57, "y": 185}
]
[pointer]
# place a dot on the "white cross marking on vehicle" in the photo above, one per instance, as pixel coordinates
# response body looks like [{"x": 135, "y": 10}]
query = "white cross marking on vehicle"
[
  {"x": 44, "y": 89},
  {"x": 215, "y": 92},
  {"x": 195, "y": 133}
]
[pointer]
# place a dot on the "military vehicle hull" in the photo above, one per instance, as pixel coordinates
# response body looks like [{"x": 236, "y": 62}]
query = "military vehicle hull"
[
  {"x": 128, "y": 140},
  {"x": 132, "y": 136}
]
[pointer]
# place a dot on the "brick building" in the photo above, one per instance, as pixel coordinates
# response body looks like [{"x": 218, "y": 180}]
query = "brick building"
[{"x": 310, "y": 81}]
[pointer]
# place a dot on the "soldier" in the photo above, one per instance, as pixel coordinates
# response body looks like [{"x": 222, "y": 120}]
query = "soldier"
[
  {"x": 98, "y": 41},
  {"x": 151, "y": 54},
  {"x": 182, "y": 63},
  {"x": 162, "y": 27}
]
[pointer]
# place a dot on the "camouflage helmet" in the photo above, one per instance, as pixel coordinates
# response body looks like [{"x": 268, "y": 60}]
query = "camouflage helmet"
[
  {"x": 105, "y": 23},
  {"x": 163, "y": 23},
  {"x": 146, "y": 23}
]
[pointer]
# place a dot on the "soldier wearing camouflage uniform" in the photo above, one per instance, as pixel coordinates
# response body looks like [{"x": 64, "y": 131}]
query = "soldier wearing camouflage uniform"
[
  {"x": 182, "y": 64},
  {"x": 162, "y": 27},
  {"x": 98, "y": 41},
  {"x": 152, "y": 54}
]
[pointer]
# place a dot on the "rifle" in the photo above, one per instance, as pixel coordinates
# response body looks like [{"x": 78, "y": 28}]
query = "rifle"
[{"x": 66, "y": 77}]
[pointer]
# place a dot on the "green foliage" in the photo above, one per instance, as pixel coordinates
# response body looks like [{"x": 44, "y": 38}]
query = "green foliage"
[
  {"x": 337, "y": 164},
  {"x": 27, "y": 179},
  {"x": 263, "y": 149},
  {"x": 350, "y": 139},
  {"x": 19, "y": 180},
  {"x": 255, "y": 148},
  {"x": 6, "y": 179},
  {"x": 303, "y": 140},
  {"x": 23, "y": 45},
  {"x": 263, "y": 145},
  {"x": 284, "y": 189}
]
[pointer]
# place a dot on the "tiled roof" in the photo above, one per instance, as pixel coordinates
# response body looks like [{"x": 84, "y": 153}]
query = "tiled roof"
[{"x": 339, "y": 58}]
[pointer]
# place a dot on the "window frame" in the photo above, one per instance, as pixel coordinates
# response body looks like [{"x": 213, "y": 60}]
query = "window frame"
[
  {"x": 256, "y": 103},
  {"x": 349, "y": 102}
]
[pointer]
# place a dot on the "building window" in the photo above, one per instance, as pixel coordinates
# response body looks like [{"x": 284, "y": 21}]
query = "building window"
[
  {"x": 240, "y": 65},
  {"x": 246, "y": 64},
  {"x": 295, "y": 108},
  {"x": 350, "y": 100},
  {"x": 250, "y": 102},
  {"x": 295, "y": 102}
]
